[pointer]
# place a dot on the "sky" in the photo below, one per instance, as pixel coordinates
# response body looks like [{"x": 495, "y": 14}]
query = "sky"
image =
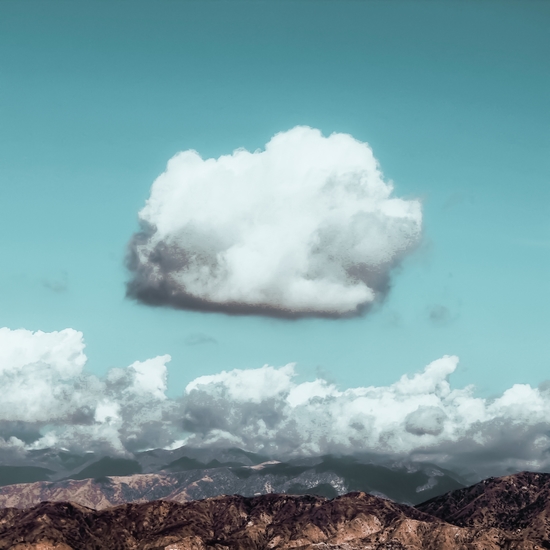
[{"x": 432, "y": 117}]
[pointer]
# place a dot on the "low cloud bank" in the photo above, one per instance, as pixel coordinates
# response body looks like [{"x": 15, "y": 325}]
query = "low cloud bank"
[
  {"x": 419, "y": 417},
  {"x": 305, "y": 227},
  {"x": 50, "y": 401}
]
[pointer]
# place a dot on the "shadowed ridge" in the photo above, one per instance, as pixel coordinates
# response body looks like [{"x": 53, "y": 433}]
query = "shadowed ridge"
[
  {"x": 108, "y": 466},
  {"x": 10, "y": 475},
  {"x": 518, "y": 503},
  {"x": 354, "y": 521}
]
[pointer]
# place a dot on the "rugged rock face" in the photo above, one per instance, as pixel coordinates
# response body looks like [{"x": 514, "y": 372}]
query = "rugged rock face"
[
  {"x": 508, "y": 513},
  {"x": 518, "y": 504},
  {"x": 351, "y": 522}
]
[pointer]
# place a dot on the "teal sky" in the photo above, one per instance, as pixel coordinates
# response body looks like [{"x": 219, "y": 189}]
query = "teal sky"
[{"x": 452, "y": 96}]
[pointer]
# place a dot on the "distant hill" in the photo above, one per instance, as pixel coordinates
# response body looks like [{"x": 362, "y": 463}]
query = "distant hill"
[
  {"x": 188, "y": 474},
  {"x": 23, "y": 474},
  {"x": 108, "y": 466}
]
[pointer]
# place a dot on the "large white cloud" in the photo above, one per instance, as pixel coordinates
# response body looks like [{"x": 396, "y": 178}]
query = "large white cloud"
[
  {"x": 307, "y": 226},
  {"x": 48, "y": 400}
]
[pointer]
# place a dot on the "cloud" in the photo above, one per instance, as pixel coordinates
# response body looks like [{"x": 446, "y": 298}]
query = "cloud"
[
  {"x": 49, "y": 400},
  {"x": 418, "y": 417},
  {"x": 199, "y": 338},
  {"x": 425, "y": 420},
  {"x": 306, "y": 227},
  {"x": 440, "y": 315},
  {"x": 34, "y": 369},
  {"x": 58, "y": 284}
]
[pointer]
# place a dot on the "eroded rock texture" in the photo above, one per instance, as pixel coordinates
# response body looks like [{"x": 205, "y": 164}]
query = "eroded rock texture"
[
  {"x": 270, "y": 521},
  {"x": 506, "y": 513}
]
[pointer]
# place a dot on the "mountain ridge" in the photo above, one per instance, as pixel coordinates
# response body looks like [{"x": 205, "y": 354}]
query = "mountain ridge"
[
  {"x": 349, "y": 522},
  {"x": 190, "y": 474},
  {"x": 506, "y": 513}
]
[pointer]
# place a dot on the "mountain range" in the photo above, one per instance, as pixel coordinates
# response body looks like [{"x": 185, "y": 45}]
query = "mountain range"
[
  {"x": 187, "y": 474},
  {"x": 509, "y": 513}
]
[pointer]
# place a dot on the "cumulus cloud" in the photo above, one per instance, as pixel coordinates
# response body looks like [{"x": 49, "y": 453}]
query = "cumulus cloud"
[
  {"x": 308, "y": 226},
  {"x": 48, "y": 400},
  {"x": 34, "y": 370},
  {"x": 425, "y": 420},
  {"x": 420, "y": 417}
]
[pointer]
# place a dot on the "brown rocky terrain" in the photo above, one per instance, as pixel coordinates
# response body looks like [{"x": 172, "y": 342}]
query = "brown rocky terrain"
[
  {"x": 518, "y": 504},
  {"x": 508, "y": 513},
  {"x": 103, "y": 492},
  {"x": 354, "y": 521}
]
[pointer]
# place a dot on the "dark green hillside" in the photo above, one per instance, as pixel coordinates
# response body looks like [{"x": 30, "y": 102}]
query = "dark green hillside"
[
  {"x": 109, "y": 467},
  {"x": 10, "y": 475}
]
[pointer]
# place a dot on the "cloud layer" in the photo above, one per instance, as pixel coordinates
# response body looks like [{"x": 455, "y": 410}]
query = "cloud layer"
[
  {"x": 48, "y": 400},
  {"x": 305, "y": 227},
  {"x": 419, "y": 417}
]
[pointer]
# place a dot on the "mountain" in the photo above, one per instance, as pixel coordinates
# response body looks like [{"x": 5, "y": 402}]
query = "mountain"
[
  {"x": 189, "y": 474},
  {"x": 114, "y": 467},
  {"x": 23, "y": 474},
  {"x": 518, "y": 504},
  {"x": 508, "y": 513},
  {"x": 351, "y": 522}
]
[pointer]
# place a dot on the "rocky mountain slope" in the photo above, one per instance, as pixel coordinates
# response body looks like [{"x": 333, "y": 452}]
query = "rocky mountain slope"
[
  {"x": 354, "y": 521},
  {"x": 508, "y": 513},
  {"x": 518, "y": 504},
  {"x": 189, "y": 474}
]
